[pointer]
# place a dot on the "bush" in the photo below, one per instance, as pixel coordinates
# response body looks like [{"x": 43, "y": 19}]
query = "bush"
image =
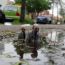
[{"x": 28, "y": 21}]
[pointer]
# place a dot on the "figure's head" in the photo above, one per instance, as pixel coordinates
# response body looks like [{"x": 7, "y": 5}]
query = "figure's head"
[
  {"x": 35, "y": 28},
  {"x": 23, "y": 29}
]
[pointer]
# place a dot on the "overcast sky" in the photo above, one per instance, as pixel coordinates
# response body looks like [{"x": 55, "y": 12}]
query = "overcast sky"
[{"x": 11, "y": 0}]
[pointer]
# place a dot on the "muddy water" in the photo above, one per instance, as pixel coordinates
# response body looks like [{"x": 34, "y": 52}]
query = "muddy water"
[{"x": 48, "y": 55}]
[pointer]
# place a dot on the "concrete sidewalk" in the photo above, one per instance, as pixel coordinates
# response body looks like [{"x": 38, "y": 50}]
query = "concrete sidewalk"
[{"x": 28, "y": 26}]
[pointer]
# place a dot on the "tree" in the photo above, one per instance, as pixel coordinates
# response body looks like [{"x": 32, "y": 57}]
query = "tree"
[
  {"x": 37, "y": 5},
  {"x": 23, "y": 5},
  {"x": 32, "y": 6},
  {"x": 18, "y": 1}
]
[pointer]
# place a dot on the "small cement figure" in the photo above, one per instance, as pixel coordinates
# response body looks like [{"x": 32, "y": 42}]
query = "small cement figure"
[
  {"x": 32, "y": 41},
  {"x": 21, "y": 43}
]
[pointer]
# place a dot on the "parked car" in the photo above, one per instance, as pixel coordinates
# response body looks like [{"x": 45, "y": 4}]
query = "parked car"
[{"x": 43, "y": 20}]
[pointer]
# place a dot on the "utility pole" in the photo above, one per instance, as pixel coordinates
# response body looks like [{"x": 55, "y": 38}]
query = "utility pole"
[{"x": 23, "y": 8}]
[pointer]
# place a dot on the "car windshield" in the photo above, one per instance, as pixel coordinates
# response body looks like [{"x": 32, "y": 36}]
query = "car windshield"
[
  {"x": 40, "y": 17},
  {"x": 43, "y": 17}
]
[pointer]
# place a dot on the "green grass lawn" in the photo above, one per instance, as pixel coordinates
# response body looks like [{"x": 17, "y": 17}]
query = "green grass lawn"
[
  {"x": 17, "y": 20},
  {"x": 12, "y": 14}
]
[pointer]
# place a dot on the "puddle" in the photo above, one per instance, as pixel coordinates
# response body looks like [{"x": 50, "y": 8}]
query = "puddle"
[{"x": 49, "y": 55}]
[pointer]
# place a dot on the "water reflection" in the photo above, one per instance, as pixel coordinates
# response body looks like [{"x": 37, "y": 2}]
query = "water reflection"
[
  {"x": 48, "y": 54},
  {"x": 1, "y": 48}
]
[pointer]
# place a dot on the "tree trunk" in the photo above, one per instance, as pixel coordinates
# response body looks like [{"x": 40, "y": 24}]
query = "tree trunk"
[
  {"x": 23, "y": 7},
  {"x": 33, "y": 16}
]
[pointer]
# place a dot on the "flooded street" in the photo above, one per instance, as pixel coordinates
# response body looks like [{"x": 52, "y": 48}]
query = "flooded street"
[{"x": 50, "y": 54}]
